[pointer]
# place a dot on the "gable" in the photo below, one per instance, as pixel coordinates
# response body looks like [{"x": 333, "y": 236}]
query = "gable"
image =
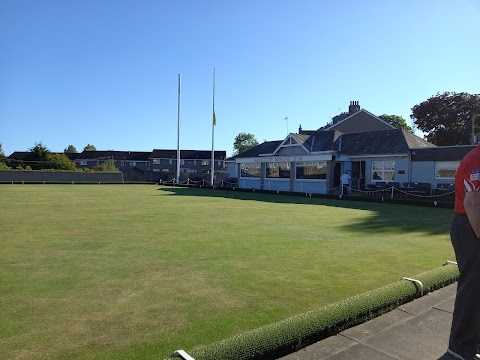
[
  {"x": 292, "y": 145},
  {"x": 361, "y": 121}
]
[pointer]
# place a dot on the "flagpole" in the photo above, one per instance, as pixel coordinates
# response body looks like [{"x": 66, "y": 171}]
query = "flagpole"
[
  {"x": 178, "y": 133},
  {"x": 212, "y": 171}
]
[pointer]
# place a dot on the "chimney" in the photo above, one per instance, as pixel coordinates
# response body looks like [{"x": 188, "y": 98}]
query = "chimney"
[
  {"x": 353, "y": 108},
  {"x": 300, "y": 129}
]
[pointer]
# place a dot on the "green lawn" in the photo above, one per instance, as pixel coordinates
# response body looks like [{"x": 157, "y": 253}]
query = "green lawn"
[{"x": 138, "y": 271}]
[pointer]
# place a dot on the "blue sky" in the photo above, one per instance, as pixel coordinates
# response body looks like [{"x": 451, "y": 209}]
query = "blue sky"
[{"x": 105, "y": 72}]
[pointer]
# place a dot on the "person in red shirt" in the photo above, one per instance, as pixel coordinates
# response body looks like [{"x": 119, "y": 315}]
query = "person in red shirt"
[{"x": 465, "y": 233}]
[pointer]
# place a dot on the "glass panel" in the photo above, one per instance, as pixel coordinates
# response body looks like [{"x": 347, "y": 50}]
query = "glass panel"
[
  {"x": 445, "y": 173},
  {"x": 278, "y": 170},
  {"x": 312, "y": 170},
  {"x": 389, "y": 175},
  {"x": 383, "y": 170},
  {"x": 389, "y": 165},
  {"x": 250, "y": 170},
  {"x": 446, "y": 169},
  {"x": 377, "y": 165}
]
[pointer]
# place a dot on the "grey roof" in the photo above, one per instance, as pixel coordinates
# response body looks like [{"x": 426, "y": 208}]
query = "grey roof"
[
  {"x": 442, "y": 153},
  {"x": 22, "y": 155},
  {"x": 188, "y": 154},
  {"x": 267, "y": 147},
  {"x": 115, "y": 155},
  {"x": 323, "y": 140},
  {"x": 17, "y": 155},
  {"x": 397, "y": 141}
]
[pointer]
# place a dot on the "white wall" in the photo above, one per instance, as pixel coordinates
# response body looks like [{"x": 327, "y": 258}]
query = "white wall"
[{"x": 311, "y": 186}]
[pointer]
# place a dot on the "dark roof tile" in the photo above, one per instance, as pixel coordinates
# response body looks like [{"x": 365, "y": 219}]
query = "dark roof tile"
[
  {"x": 188, "y": 154},
  {"x": 442, "y": 153},
  {"x": 267, "y": 147},
  {"x": 115, "y": 155},
  {"x": 397, "y": 141}
]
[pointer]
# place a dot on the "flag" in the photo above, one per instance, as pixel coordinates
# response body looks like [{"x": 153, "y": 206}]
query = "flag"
[{"x": 214, "y": 119}]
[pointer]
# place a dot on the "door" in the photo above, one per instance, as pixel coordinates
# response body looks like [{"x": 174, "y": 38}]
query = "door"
[
  {"x": 358, "y": 174},
  {"x": 337, "y": 172}
]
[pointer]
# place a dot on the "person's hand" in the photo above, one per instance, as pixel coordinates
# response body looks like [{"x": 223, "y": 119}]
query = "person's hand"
[{"x": 472, "y": 207}]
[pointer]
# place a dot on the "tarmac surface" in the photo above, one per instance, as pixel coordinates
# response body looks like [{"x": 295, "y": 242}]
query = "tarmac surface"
[{"x": 418, "y": 330}]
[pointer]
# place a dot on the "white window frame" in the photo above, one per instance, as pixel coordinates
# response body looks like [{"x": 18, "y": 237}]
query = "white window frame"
[
  {"x": 381, "y": 167},
  {"x": 205, "y": 162},
  {"x": 318, "y": 164},
  {"x": 251, "y": 164},
  {"x": 156, "y": 161},
  {"x": 276, "y": 165},
  {"x": 446, "y": 165},
  {"x": 84, "y": 163}
]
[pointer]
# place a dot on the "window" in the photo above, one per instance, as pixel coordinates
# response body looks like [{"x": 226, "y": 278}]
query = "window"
[
  {"x": 84, "y": 162},
  {"x": 280, "y": 170},
  {"x": 251, "y": 170},
  {"x": 130, "y": 163},
  {"x": 156, "y": 161},
  {"x": 205, "y": 162},
  {"x": 219, "y": 163},
  {"x": 194, "y": 162},
  {"x": 182, "y": 162},
  {"x": 446, "y": 169},
  {"x": 156, "y": 170},
  {"x": 170, "y": 161},
  {"x": 311, "y": 170},
  {"x": 383, "y": 170}
]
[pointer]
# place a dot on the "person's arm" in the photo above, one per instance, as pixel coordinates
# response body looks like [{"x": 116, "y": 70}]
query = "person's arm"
[{"x": 472, "y": 207}]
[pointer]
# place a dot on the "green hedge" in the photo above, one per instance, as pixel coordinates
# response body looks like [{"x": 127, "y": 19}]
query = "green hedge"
[{"x": 283, "y": 337}]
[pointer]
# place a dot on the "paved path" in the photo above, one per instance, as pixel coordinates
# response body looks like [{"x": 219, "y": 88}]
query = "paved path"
[{"x": 418, "y": 330}]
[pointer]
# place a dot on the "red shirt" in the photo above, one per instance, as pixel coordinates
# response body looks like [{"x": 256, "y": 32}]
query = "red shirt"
[{"x": 467, "y": 178}]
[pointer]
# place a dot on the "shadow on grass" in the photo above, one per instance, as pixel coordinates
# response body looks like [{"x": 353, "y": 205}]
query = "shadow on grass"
[{"x": 385, "y": 217}]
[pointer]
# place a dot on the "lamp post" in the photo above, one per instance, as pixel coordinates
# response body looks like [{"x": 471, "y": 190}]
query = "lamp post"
[{"x": 473, "y": 130}]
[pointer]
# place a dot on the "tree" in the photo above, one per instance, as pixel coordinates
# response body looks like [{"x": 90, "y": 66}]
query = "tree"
[
  {"x": 109, "y": 166},
  {"x": 243, "y": 142},
  {"x": 38, "y": 153},
  {"x": 447, "y": 118},
  {"x": 397, "y": 121},
  {"x": 61, "y": 162},
  {"x": 89, "y": 147},
  {"x": 2, "y": 154},
  {"x": 70, "y": 149}
]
